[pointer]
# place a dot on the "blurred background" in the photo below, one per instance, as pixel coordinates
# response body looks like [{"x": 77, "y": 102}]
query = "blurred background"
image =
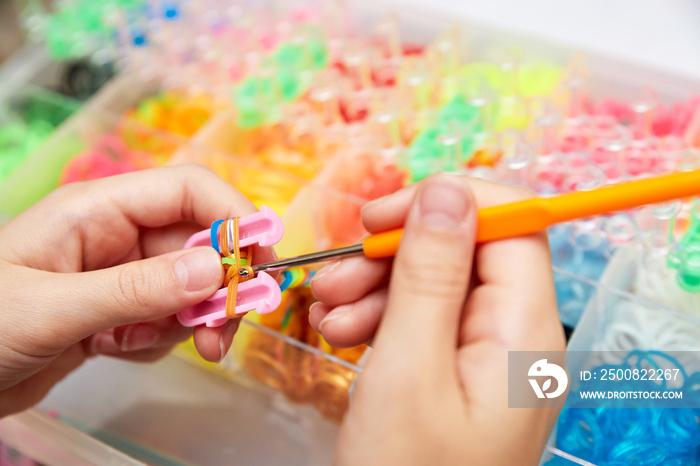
[
  {"x": 660, "y": 34},
  {"x": 10, "y": 34}
]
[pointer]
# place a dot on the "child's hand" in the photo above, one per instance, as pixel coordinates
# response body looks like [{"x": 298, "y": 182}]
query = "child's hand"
[
  {"x": 434, "y": 390},
  {"x": 96, "y": 268}
]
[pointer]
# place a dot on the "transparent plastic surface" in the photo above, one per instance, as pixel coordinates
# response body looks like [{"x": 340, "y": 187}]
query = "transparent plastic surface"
[
  {"x": 43, "y": 439},
  {"x": 621, "y": 318},
  {"x": 555, "y": 457},
  {"x": 625, "y": 329},
  {"x": 174, "y": 412}
]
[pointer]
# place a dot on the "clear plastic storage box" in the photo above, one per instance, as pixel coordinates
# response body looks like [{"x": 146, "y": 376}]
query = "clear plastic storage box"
[{"x": 183, "y": 411}]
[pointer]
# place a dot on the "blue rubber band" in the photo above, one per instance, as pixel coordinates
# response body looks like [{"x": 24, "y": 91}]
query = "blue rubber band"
[
  {"x": 214, "y": 235},
  {"x": 607, "y": 434},
  {"x": 287, "y": 280}
]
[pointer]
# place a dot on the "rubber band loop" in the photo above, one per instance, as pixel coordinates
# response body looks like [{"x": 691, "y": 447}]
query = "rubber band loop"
[
  {"x": 213, "y": 233},
  {"x": 293, "y": 278},
  {"x": 233, "y": 262},
  {"x": 286, "y": 280},
  {"x": 287, "y": 317}
]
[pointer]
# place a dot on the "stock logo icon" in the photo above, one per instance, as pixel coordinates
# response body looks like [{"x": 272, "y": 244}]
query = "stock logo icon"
[{"x": 546, "y": 372}]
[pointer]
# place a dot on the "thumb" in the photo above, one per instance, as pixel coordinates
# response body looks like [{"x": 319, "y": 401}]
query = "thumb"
[
  {"x": 431, "y": 275},
  {"x": 138, "y": 291}
]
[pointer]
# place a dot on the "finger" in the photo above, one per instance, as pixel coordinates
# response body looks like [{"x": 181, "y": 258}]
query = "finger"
[
  {"x": 104, "y": 344},
  {"x": 349, "y": 279},
  {"x": 317, "y": 311},
  {"x": 388, "y": 212},
  {"x": 213, "y": 343},
  {"x": 490, "y": 308},
  {"x": 145, "y": 355},
  {"x": 71, "y": 307},
  {"x": 157, "y": 241},
  {"x": 186, "y": 192},
  {"x": 512, "y": 311},
  {"x": 533, "y": 250},
  {"x": 91, "y": 212},
  {"x": 350, "y": 324},
  {"x": 512, "y": 289},
  {"x": 430, "y": 277},
  {"x": 158, "y": 333}
]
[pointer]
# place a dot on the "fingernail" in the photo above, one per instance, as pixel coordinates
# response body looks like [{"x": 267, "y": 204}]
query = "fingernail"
[
  {"x": 313, "y": 305},
  {"x": 104, "y": 344},
  {"x": 227, "y": 337},
  {"x": 337, "y": 313},
  {"x": 198, "y": 269},
  {"x": 443, "y": 203},
  {"x": 326, "y": 270},
  {"x": 139, "y": 337}
]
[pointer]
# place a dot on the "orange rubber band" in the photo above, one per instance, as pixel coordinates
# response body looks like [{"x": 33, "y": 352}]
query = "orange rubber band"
[{"x": 233, "y": 275}]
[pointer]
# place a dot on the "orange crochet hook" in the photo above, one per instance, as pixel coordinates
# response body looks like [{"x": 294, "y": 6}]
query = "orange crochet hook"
[{"x": 530, "y": 216}]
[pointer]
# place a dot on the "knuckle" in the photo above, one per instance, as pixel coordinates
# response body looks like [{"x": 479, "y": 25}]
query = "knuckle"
[
  {"x": 430, "y": 278},
  {"x": 135, "y": 288}
]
